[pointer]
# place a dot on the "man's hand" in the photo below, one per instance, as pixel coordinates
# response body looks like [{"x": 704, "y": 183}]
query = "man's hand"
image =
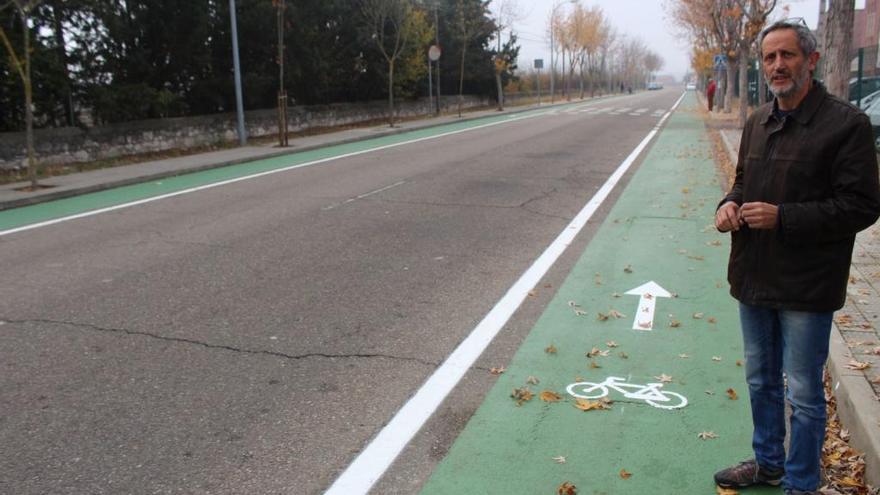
[
  {"x": 759, "y": 215},
  {"x": 728, "y": 218}
]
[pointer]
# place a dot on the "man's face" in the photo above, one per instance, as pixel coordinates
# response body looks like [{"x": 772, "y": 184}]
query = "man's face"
[{"x": 786, "y": 67}]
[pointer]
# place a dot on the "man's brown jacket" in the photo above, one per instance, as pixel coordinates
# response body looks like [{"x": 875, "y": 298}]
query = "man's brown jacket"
[{"x": 819, "y": 166}]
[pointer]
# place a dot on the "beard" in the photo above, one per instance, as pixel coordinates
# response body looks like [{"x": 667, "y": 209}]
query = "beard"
[{"x": 798, "y": 81}]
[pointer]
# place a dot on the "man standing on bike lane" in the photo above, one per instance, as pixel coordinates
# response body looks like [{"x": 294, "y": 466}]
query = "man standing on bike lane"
[{"x": 806, "y": 183}]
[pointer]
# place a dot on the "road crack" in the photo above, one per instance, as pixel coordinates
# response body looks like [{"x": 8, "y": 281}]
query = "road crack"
[{"x": 208, "y": 345}]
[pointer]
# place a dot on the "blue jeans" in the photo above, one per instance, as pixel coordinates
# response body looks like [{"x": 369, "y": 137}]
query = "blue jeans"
[{"x": 796, "y": 343}]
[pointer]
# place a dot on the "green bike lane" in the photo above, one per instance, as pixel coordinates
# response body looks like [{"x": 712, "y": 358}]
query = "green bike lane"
[
  {"x": 13, "y": 219},
  {"x": 660, "y": 230}
]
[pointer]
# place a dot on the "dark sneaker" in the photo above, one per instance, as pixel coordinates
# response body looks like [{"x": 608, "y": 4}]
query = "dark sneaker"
[{"x": 748, "y": 473}]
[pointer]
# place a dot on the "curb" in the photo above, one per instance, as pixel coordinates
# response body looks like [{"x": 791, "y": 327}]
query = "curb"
[
  {"x": 855, "y": 405},
  {"x": 77, "y": 191},
  {"x": 855, "y": 398}
]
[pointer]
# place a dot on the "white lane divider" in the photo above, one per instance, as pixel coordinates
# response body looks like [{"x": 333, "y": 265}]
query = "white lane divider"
[{"x": 377, "y": 456}]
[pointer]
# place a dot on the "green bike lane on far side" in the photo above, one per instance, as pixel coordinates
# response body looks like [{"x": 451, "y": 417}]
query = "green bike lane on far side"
[
  {"x": 660, "y": 230},
  {"x": 43, "y": 212}
]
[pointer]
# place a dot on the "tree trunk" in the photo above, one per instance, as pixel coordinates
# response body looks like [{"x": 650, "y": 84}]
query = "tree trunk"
[
  {"x": 729, "y": 90},
  {"x": 28, "y": 103},
  {"x": 500, "y": 90},
  {"x": 837, "y": 43},
  {"x": 62, "y": 58},
  {"x": 391, "y": 92},
  {"x": 743, "y": 85},
  {"x": 461, "y": 79}
]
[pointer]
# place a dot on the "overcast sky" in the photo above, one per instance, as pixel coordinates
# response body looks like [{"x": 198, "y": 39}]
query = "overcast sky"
[{"x": 646, "y": 19}]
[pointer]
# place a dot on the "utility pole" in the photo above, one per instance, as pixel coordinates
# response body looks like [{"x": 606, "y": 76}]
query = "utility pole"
[
  {"x": 282, "y": 94},
  {"x": 239, "y": 105}
]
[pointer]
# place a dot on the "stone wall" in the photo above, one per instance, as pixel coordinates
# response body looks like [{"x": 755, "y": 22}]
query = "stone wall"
[{"x": 72, "y": 144}]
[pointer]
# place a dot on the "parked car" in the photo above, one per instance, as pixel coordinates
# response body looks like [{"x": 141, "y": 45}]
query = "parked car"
[
  {"x": 873, "y": 112},
  {"x": 869, "y": 85},
  {"x": 871, "y": 98},
  {"x": 655, "y": 85}
]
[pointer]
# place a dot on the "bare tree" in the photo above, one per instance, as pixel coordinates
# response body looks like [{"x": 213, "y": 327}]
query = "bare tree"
[
  {"x": 507, "y": 15},
  {"x": 22, "y": 65},
  {"x": 390, "y": 25},
  {"x": 836, "y": 46},
  {"x": 754, "y": 17}
]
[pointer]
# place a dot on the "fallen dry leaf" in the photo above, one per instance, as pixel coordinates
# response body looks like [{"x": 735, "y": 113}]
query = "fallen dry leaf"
[
  {"x": 684, "y": 356},
  {"x": 731, "y": 393},
  {"x": 522, "y": 395},
  {"x": 623, "y": 355},
  {"x": 616, "y": 295},
  {"x": 550, "y": 396},
  {"x": 709, "y": 392},
  {"x": 698, "y": 316},
  {"x": 697, "y": 258},
  {"x": 715, "y": 243},
  {"x": 707, "y": 435},
  {"x": 674, "y": 323},
  {"x": 664, "y": 378},
  {"x": 725, "y": 491},
  {"x": 594, "y": 365},
  {"x": 858, "y": 365},
  {"x": 566, "y": 489},
  {"x": 559, "y": 459},
  {"x": 616, "y": 314},
  {"x": 613, "y": 344},
  {"x": 550, "y": 349},
  {"x": 712, "y": 319},
  {"x": 497, "y": 371},
  {"x": 739, "y": 362},
  {"x": 595, "y": 351},
  {"x": 532, "y": 293},
  {"x": 876, "y": 380},
  {"x": 580, "y": 312},
  {"x": 843, "y": 319},
  {"x": 592, "y": 405},
  {"x": 601, "y": 317},
  {"x": 532, "y": 380},
  {"x": 624, "y": 474},
  {"x": 716, "y": 358},
  {"x": 628, "y": 269}
]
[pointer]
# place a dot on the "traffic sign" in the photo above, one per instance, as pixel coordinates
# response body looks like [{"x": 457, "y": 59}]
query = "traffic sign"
[
  {"x": 539, "y": 63},
  {"x": 434, "y": 53}
]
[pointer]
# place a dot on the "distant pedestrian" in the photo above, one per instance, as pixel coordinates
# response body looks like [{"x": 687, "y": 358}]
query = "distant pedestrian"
[
  {"x": 710, "y": 93},
  {"x": 806, "y": 183}
]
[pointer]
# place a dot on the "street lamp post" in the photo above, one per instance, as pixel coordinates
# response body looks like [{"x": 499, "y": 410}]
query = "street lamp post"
[{"x": 239, "y": 105}]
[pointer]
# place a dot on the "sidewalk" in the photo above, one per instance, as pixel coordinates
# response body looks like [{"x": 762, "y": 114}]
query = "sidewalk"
[
  {"x": 65, "y": 186},
  {"x": 855, "y": 338}
]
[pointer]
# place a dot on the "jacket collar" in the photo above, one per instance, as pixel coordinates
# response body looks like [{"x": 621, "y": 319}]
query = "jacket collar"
[{"x": 808, "y": 107}]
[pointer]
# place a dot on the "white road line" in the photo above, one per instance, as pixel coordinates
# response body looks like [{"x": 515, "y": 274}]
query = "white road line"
[
  {"x": 377, "y": 456},
  {"x": 362, "y": 196},
  {"x": 261, "y": 174}
]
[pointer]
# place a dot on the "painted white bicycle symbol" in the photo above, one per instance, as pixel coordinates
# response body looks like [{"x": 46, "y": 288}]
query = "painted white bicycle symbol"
[{"x": 650, "y": 393}]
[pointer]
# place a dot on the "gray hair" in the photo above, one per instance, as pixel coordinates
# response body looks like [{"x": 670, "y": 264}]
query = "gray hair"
[{"x": 806, "y": 38}]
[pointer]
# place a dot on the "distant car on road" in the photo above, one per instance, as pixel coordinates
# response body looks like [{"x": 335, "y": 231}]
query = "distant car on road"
[
  {"x": 691, "y": 86},
  {"x": 873, "y": 112},
  {"x": 655, "y": 85}
]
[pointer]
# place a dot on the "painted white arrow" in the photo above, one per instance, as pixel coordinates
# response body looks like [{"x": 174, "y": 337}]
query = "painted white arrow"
[{"x": 648, "y": 294}]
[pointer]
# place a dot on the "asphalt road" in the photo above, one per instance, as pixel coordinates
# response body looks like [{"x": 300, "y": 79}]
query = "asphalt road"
[{"x": 252, "y": 338}]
